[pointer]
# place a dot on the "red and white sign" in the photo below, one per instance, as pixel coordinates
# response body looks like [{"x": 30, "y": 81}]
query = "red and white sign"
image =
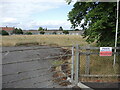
[{"x": 105, "y": 51}]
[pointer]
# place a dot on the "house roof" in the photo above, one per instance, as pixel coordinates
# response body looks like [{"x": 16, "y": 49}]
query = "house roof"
[{"x": 7, "y": 28}]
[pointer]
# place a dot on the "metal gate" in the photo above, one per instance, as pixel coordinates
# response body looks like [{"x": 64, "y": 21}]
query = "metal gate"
[{"x": 89, "y": 66}]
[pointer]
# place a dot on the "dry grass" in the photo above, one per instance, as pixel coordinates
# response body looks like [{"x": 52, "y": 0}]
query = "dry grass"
[{"x": 57, "y": 40}]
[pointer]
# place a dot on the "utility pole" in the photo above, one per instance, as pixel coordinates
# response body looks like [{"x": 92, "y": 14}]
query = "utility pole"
[{"x": 116, "y": 32}]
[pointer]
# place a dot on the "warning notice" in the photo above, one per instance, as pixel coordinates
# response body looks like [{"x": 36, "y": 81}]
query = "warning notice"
[{"x": 105, "y": 51}]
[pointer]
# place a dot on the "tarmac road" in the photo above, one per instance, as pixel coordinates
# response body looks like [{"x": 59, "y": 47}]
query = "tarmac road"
[
  {"x": 103, "y": 85},
  {"x": 15, "y": 75}
]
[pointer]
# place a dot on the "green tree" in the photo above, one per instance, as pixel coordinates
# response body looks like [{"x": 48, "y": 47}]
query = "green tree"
[
  {"x": 66, "y": 32},
  {"x": 68, "y": 1},
  {"x": 20, "y": 31},
  {"x": 40, "y": 29},
  {"x": 99, "y": 21},
  {"x": 17, "y": 31},
  {"x": 60, "y": 28},
  {"x": 3, "y": 32}
]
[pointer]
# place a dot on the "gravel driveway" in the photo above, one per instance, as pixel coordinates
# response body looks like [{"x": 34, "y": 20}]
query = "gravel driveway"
[{"x": 19, "y": 72}]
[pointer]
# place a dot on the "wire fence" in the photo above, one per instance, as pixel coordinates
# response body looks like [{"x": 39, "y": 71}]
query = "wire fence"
[{"x": 48, "y": 71}]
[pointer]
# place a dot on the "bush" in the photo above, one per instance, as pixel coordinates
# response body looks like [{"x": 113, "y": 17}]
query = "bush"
[
  {"x": 65, "y": 32},
  {"x": 42, "y": 32},
  {"x": 28, "y": 33},
  {"x": 3, "y": 32}
]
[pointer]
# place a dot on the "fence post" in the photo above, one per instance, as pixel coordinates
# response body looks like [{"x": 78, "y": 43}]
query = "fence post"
[
  {"x": 72, "y": 66},
  {"x": 87, "y": 67},
  {"x": 77, "y": 65}
]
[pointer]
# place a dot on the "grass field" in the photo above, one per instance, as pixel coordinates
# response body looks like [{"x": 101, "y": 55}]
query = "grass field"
[{"x": 52, "y": 40}]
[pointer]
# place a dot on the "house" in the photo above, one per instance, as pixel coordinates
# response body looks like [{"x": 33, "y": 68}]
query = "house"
[
  {"x": 61, "y": 32},
  {"x": 7, "y": 29},
  {"x": 34, "y": 32},
  {"x": 58, "y": 32}
]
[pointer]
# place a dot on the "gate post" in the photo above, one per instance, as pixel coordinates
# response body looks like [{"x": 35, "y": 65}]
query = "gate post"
[
  {"x": 77, "y": 65},
  {"x": 87, "y": 67},
  {"x": 72, "y": 66}
]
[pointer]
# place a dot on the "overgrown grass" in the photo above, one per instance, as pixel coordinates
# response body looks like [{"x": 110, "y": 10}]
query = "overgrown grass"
[
  {"x": 56, "y": 63},
  {"x": 52, "y": 40},
  {"x": 100, "y": 65}
]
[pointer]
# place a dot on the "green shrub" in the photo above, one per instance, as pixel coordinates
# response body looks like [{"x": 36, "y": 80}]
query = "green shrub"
[
  {"x": 28, "y": 33},
  {"x": 65, "y": 32},
  {"x": 42, "y": 32},
  {"x": 3, "y": 32}
]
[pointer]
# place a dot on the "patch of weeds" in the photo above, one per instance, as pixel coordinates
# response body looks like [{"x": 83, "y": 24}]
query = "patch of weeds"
[
  {"x": 27, "y": 44},
  {"x": 60, "y": 78},
  {"x": 56, "y": 63}
]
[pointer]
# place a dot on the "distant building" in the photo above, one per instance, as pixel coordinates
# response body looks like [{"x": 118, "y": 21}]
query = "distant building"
[
  {"x": 47, "y": 32},
  {"x": 34, "y": 32},
  {"x": 50, "y": 32},
  {"x": 7, "y": 29}
]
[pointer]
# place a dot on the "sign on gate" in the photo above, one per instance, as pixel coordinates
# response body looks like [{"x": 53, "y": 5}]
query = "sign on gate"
[{"x": 105, "y": 51}]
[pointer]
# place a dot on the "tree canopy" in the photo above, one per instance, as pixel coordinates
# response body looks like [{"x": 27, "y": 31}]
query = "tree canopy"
[
  {"x": 17, "y": 31},
  {"x": 99, "y": 21},
  {"x": 40, "y": 29},
  {"x": 60, "y": 28}
]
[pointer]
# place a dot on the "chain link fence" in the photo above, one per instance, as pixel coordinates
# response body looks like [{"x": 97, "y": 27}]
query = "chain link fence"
[{"x": 96, "y": 68}]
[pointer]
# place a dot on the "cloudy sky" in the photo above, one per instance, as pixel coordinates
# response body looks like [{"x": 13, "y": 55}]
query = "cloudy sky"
[{"x": 31, "y": 14}]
